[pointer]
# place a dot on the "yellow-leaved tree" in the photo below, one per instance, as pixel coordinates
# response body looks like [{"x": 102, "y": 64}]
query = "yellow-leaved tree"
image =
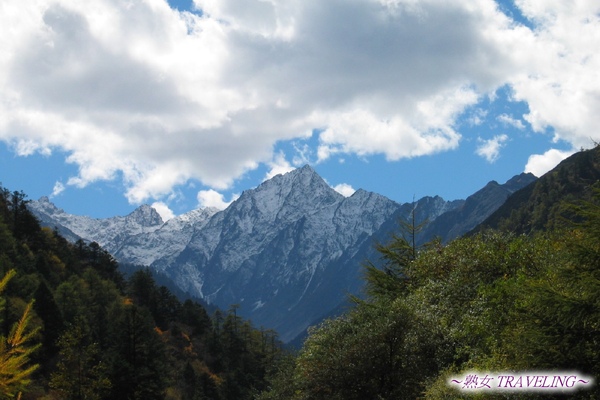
[{"x": 15, "y": 351}]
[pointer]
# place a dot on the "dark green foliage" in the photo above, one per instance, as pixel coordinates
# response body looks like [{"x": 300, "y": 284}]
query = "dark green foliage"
[
  {"x": 81, "y": 373},
  {"x": 492, "y": 302},
  {"x": 162, "y": 304},
  {"x": 242, "y": 354},
  {"x": 136, "y": 355},
  {"x": 370, "y": 353},
  {"x": 195, "y": 316},
  {"x": 23, "y": 224},
  {"x": 47, "y": 309},
  {"x": 386, "y": 279},
  {"x": 545, "y": 205},
  {"x": 104, "y": 337},
  {"x": 281, "y": 380},
  {"x": 565, "y": 299}
]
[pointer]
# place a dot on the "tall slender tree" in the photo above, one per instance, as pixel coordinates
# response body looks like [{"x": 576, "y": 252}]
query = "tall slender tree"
[{"x": 81, "y": 373}]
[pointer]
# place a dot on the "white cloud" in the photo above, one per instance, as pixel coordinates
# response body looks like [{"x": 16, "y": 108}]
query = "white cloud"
[
  {"x": 508, "y": 120},
  {"x": 163, "y": 209},
  {"x": 539, "y": 164},
  {"x": 303, "y": 154},
  {"x": 344, "y": 189},
  {"x": 212, "y": 198},
  {"x": 158, "y": 97},
  {"x": 559, "y": 72},
  {"x": 59, "y": 187},
  {"x": 477, "y": 117},
  {"x": 279, "y": 165},
  {"x": 27, "y": 147},
  {"x": 490, "y": 149},
  {"x": 429, "y": 129}
]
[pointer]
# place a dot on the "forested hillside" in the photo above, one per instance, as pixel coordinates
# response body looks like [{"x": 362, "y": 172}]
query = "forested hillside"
[
  {"x": 74, "y": 328},
  {"x": 546, "y": 204},
  {"x": 494, "y": 301}
]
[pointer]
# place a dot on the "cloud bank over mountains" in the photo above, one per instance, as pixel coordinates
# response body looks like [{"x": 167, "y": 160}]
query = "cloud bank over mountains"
[{"x": 137, "y": 91}]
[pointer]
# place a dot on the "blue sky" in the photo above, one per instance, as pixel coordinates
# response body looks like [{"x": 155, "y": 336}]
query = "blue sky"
[{"x": 106, "y": 105}]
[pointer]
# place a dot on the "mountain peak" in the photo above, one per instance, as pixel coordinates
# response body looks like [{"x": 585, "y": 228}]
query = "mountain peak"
[
  {"x": 306, "y": 169},
  {"x": 300, "y": 177},
  {"x": 45, "y": 204},
  {"x": 306, "y": 172},
  {"x": 145, "y": 215},
  {"x": 288, "y": 197},
  {"x": 309, "y": 182},
  {"x": 288, "y": 251},
  {"x": 519, "y": 181}
]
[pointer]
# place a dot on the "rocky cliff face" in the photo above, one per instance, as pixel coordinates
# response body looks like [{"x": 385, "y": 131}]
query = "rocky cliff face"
[{"x": 287, "y": 251}]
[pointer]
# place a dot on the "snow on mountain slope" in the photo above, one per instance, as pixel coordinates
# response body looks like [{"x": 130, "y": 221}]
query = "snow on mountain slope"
[
  {"x": 137, "y": 238},
  {"x": 288, "y": 252},
  {"x": 170, "y": 238},
  {"x": 103, "y": 231}
]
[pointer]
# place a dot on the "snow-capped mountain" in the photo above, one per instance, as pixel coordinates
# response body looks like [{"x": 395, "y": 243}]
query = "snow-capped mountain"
[
  {"x": 169, "y": 239},
  {"x": 288, "y": 252},
  {"x": 138, "y": 238},
  {"x": 108, "y": 232}
]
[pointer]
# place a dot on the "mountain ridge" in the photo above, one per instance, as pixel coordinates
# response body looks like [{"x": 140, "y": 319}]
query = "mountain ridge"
[
  {"x": 288, "y": 251},
  {"x": 546, "y": 204},
  {"x": 480, "y": 204}
]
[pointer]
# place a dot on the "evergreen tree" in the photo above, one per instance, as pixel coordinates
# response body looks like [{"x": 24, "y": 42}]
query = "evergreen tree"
[
  {"x": 194, "y": 315},
  {"x": 387, "y": 279},
  {"x": 372, "y": 352},
  {"x": 81, "y": 373},
  {"x": 137, "y": 362},
  {"x": 46, "y": 307}
]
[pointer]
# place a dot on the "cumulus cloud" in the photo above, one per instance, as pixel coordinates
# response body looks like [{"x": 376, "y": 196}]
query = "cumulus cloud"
[
  {"x": 539, "y": 164},
  {"x": 59, "y": 187},
  {"x": 344, "y": 189},
  {"x": 559, "y": 69},
  {"x": 490, "y": 149},
  {"x": 508, "y": 120},
  {"x": 156, "y": 97},
  {"x": 163, "y": 209},
  {"x": 279, "y": 165},
  {"x": 477, "y": 117},
  {"x": 212, "y": 198},
  {"x": 429, "y": 129}
]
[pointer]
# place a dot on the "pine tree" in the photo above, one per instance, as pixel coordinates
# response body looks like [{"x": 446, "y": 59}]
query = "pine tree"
[
  {"x": 48, "y": 310},
  {"x": 388, "y": 279},
  {"x": 81, "y": 373},
  {"x": 137, "y": 360}
]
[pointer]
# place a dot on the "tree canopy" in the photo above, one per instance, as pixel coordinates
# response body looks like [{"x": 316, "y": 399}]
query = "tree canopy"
[{"x": 494, "y": 301}]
